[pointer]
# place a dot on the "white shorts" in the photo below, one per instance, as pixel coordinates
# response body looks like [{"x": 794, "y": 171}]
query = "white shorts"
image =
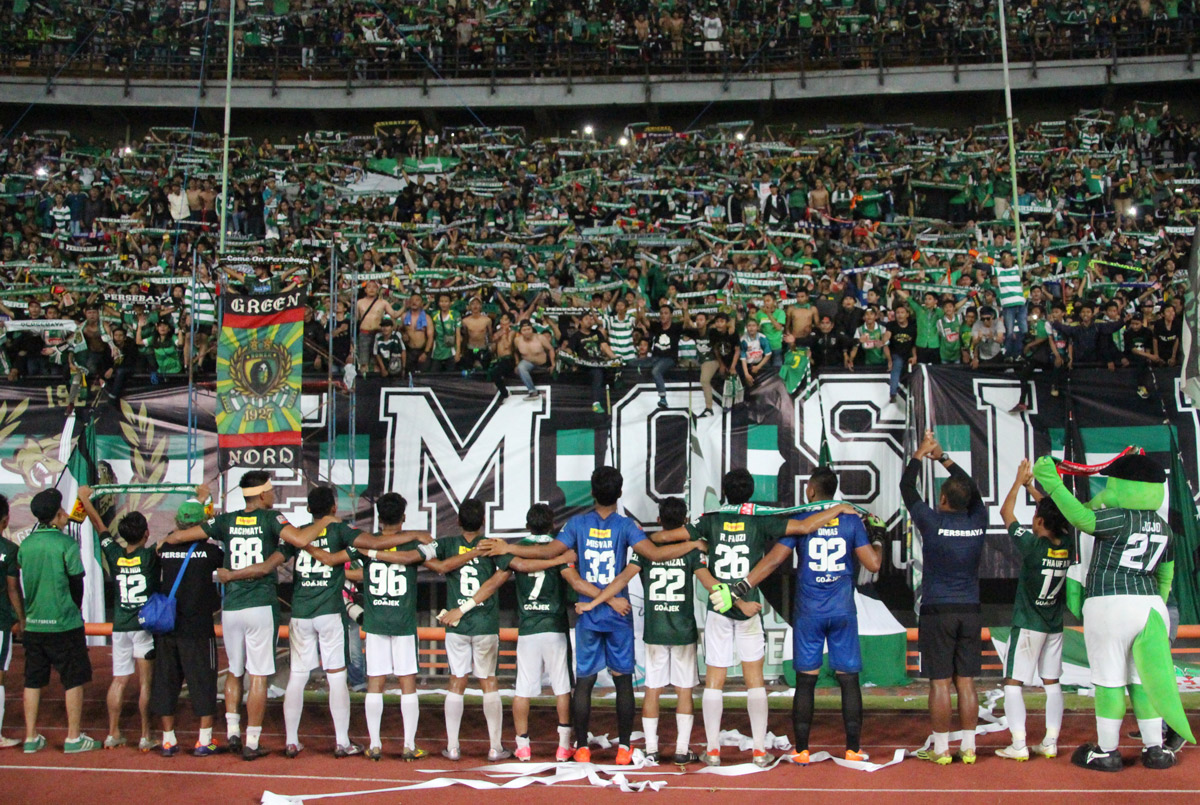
[
  {"x": 712, "y": 46},
  {"x": 469, "y": 654},
  {"x": 728, "y": 642},
  {"x": 544, "y": 653},
  {"x": 128, "y": 646},
  {"x": 671, "y": 665},
  {"x": 250, "y": 640},
  {"x": 1033, "y": 656},
  {"x": 1110, "y": 625},
  {"x": 325, "y": 631},
  {"x": 391, "y": 655}
]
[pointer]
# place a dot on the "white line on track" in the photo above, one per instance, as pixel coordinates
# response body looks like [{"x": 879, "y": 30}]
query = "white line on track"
[{"x": 706, "y": 783}]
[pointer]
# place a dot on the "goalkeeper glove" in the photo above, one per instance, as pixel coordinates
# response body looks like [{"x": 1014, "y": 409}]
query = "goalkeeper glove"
[{"x": 723, "y": 595}]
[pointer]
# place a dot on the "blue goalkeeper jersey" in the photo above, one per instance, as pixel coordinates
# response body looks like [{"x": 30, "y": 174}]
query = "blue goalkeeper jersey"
[
  {"x": 602, "y": 545},
  {"x": 827, "y": 567}
]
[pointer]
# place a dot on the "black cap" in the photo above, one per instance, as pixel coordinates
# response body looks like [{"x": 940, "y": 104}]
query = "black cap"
[{"x": 46, "y": 505}]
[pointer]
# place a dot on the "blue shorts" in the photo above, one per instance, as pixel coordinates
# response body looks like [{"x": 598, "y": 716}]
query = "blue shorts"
[
  {"x": 596, "y": 650},
  {"x": 809, "y": 636}
]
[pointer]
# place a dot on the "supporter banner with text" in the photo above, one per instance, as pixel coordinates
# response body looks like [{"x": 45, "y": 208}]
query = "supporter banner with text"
[{"x": 258, "y": 379}]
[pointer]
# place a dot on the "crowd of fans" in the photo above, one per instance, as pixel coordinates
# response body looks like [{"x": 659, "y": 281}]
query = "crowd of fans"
[
  {"x": 547, "y": 36},
  {"x": 744, "y": 251}
]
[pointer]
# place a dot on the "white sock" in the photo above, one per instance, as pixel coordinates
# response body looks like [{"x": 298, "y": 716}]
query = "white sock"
[
  {"x": 252, "y": 734},
  {"x": 233, "y": 725},
  {"x": 711, "y": 706},
  {"x": 968, "y": 741},
  {"x": 493, "y": 713},
  {"x": 339, "y": 706},
  {"x": 522, "y": 741},
  {"x": 1, "y": 707},
  {"x": 374, "y": 708},
  {"x": 1054, "y": 711},
  {"x": 1014, "y": 710},
  {"x": 1108, "y": 733},
  {"x": 564, "y": 736},
  {"x": 941, "y": 742},
  {"x": 756, "y": 705},
  {"x": 1152, "y": 731},
  {"x": 454, "y": 711},
  {"x": 293, "y": 705},
  {"x": 650, "y": 727},
  {"x": 683, "y": 728},
  {"x": 410, "y": 709},
  {"x": 168, "y": 738},
  {"x": 205, "y": 736}
]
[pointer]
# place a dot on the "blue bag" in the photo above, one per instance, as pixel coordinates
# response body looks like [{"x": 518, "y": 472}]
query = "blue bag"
[{"x": 157, "y": 615}]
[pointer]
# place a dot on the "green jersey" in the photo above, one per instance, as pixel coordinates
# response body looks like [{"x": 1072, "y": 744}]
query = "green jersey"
[
  {"x": 670, "y": 605},
  {"x": 249, "y": 537},
  {"x": 1129, "y": 545},
  {"x": 542, "y": 598},
  {"x": 47, "y": 557},
  {"x": 949, "y": 333},
  {"x": 1040, "y": 598},
  {"x": 8, "y": 569},
  {"x": 870, "y": 341},
  {"x": 463, "y": 583},
  {"x": 735, "y": 545},
  {"x": 317, "y": 587},
  {"x": 135, "y": 575},
  {"x": 445, "y": 331},
  {"x": 390, "y": 593},
  {"x": 926, "y": 319}
]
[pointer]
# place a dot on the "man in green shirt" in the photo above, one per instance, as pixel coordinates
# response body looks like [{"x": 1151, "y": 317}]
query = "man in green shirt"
[
  {"x": 251, "y": 539},
  {"x": 12, "y": 610},
  {"x": 771, "y": 323},
  {"x": 871, "y": 338},
  {"x": 669, "y": 632},
  {"x": 542, "y": 642},
  {"x": 389, "y": 575},
  {"x": 52, "y": 576},
  {"x": 926, "y": 314},
  {"x": 472, "y": 621},
  {"x": 949, "y": 331},
  {"x": 1036, "y": 639},
  {"x": 134, "y": 571}
]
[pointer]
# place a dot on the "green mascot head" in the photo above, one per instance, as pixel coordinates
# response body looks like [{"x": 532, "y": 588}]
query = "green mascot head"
[{"x": 1135, "y": 481}]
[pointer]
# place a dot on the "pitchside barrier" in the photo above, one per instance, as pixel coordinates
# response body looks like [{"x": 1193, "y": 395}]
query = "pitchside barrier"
[{"x": 509, "y": 635}]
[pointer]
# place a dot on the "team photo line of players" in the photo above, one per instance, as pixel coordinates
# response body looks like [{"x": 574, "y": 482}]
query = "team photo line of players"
[{"x": 591, "y": 560}]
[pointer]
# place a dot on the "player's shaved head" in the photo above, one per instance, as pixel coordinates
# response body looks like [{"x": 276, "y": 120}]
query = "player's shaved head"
[{"x": 823, "y": 484}]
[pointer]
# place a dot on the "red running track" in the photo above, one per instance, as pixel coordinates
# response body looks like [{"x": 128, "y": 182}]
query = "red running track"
[{"x": 126, "y": 776}]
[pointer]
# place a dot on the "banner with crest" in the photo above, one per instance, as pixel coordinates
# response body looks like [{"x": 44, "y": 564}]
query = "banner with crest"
[{"x": 258, "y": 379}]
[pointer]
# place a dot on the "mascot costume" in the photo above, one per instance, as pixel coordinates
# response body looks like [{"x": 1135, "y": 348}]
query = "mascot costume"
[{"x": 1124, "y": 614}]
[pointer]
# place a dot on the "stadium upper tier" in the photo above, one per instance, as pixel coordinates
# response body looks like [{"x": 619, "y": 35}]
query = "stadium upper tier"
[{"x": 365, "y": 42}]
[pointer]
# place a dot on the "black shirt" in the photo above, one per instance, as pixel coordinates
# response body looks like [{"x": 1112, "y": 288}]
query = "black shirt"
[
  {"x": 724, "y": 345},
  {"x": 1143, "y": 340},
  {"x": 1166, "y": 338},
  {"x": 951, "y": 542},
  {"x": 828, "y": 349},
  {"x": 664, "y": 341},
  {"x": 196, "y": 600},
  {"x": 587, "y": 345},
  {"x": 903, "y": 339}
]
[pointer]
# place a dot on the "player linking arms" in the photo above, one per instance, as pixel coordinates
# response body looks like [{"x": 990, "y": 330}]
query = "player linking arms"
[
  {"x": 389, "y": 568},
  {"x": 824, "y": 610},
  {"x": 603, "y": 636},
  {"x": 733, "y": 627},
  {"x": 669, "y": 631},
  {"x": 1036, "y": 640}
]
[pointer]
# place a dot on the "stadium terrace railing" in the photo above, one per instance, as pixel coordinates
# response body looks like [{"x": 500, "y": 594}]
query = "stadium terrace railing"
[{"x": 398, "y": 63}]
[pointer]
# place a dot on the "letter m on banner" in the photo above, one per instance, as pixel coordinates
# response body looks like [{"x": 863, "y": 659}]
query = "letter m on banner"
[{"x": 258, "y": 380}]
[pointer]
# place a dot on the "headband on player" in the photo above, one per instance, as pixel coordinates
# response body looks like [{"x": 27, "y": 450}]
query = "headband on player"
[{"x": 255, "y": 491}]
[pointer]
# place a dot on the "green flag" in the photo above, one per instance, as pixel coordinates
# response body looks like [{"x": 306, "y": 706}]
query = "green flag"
[{"x": 1183, "y": 520}]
